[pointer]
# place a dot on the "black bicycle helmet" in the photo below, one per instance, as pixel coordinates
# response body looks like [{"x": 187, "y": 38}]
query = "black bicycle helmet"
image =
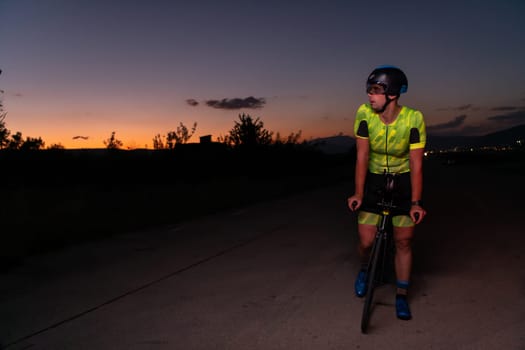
[{"x": 391, "y": 78}]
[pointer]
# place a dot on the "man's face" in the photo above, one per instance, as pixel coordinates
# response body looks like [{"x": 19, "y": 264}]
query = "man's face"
[{"x": 376, "y": 96}]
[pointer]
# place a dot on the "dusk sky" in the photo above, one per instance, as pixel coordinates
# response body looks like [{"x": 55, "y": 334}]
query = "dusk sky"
[{"x": 73, "y": 71}]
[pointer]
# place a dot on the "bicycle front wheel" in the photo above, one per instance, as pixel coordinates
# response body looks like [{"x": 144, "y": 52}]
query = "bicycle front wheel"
[{"x": 371, "y": 283}]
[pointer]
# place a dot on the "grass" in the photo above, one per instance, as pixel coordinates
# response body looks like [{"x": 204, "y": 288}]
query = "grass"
[{"x": 91, "y": 198}]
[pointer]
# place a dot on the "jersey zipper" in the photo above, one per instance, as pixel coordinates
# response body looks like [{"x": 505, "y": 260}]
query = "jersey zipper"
[{"x": 386, "y": 149}]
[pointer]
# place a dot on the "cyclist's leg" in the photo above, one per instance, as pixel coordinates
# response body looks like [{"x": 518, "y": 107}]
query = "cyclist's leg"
[
  {"x": 367, "y": 228},
  {"x": 403, "y": 261},
  {"x": 366, "y": 239},
  {"x": 403, "y": 229}
]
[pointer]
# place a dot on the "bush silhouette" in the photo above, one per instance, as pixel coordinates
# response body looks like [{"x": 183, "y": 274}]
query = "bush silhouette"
[
  {"x": 248, "y": 133},
  {"x": 112, "y": 142}
]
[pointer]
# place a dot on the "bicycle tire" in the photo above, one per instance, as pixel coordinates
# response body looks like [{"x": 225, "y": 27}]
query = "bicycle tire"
[
  {"x": 371, "y": 282},
  {"x": 388, "y": 260}
]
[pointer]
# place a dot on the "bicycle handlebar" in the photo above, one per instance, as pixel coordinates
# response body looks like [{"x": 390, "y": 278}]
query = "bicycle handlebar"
[{"x": 388, "y": 205}]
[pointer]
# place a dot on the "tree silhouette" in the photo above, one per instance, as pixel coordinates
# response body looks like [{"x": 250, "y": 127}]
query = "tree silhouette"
[
  {"x": 16, "y": 141},
  {"x": 112, "y": 142},
  {"x": 180, "y": 136},
  {"x": 4, "y": 133},
  {"x": 158, "y": 142},
  {"x": 292, "y": 139},
  {"x": 56, "y": 146},
  {"x": 248, "y": 133},
  {"x": 32, "y": 144}
]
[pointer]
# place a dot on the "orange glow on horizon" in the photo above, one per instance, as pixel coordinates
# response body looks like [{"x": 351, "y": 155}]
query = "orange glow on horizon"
[
  {"x": 138, "y": 141},
  {"x": 137, "y": 133}
]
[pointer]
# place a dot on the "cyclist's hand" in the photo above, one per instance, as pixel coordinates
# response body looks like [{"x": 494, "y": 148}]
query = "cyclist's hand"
[
  {"x": 417, "y": 213},
  {"x": 354, "y": 202}
]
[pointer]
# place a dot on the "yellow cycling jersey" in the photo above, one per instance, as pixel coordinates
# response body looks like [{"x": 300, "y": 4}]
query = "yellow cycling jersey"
[{"x": 390, "y": 144}]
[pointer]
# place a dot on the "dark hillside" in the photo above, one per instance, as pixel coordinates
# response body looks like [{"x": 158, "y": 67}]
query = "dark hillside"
[{"x": 508, "y": 137}]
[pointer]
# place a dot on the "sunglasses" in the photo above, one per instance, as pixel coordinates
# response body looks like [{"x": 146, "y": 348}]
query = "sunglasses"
[{"x": 375, "y": 89}]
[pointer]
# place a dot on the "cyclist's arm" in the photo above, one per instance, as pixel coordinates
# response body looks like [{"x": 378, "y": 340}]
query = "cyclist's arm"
[
  {"x": 416, "y": 173},
  {"x": 363, "y": 149},
  {"x": 361, "y": 168},
  {"x": 416, "y": 178}
]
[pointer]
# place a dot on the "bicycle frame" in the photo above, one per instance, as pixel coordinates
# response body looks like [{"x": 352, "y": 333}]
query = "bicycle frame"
[{"x": 379, "y": 252}]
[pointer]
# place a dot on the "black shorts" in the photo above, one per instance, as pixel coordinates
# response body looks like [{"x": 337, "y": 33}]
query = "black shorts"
[{"x": 401, "y": 193}]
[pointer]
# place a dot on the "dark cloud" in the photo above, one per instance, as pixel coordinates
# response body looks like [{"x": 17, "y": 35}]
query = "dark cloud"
[
  {"x": 192, "y": 102},
  {"x": 459, "y": 108},
  {"x": 237, "y": 103},
  {"x": 514, "y": 117},
  {"x": 456, "y": 122},
  {"x": 80, "y": 137}
]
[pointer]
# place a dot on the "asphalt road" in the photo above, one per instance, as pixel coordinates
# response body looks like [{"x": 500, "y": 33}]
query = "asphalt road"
[{"x": 279, "y": 275}]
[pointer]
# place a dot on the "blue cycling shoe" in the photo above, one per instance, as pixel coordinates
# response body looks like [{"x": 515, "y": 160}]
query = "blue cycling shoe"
[
  {"x": 360, "y": 284},
  {"x": 402, "y": 309}
]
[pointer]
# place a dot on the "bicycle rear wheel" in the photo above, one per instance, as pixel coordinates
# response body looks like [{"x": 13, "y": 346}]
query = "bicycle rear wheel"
[{"x": 371, "y": 282}]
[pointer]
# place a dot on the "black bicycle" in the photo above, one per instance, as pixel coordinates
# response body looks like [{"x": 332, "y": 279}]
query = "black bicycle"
[{"x": 380, "y": 269}]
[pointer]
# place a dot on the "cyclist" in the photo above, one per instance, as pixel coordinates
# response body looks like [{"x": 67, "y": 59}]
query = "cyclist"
[{"x": 390, "y": 138}]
